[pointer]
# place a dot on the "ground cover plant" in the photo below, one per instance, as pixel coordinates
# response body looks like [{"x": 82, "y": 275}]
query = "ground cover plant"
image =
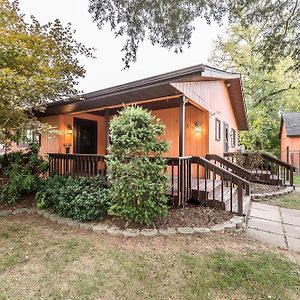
[
  {"x": 79, "y": 198},
  {"x": 60, "y": 264},
  {"x": 22, "y": 172},
  {"x": 136, "y": 170}
]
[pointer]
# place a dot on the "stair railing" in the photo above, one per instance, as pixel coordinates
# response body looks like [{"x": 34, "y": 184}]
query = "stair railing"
[
  {"x": 230, "y": 166},
  {"x": 214, "y": 172},
  {"x": 270, "y": 170}
]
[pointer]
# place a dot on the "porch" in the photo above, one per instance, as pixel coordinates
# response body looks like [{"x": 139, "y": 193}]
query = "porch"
[
  {"x": 191, "y": 178},
  {"x": 212, "y": 181}
]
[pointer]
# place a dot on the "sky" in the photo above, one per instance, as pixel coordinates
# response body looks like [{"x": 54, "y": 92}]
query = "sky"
[{"x": 106, "y": 70}]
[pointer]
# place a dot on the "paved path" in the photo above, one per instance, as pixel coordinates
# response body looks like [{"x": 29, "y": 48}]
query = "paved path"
[{"x": 275, "y": 225}]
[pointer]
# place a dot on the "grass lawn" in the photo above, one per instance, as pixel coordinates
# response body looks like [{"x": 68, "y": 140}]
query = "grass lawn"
[
  {"x": 297, "y": 179},
  {"x": 40, "y": 260},
  {"x": 288, "y": 201}
]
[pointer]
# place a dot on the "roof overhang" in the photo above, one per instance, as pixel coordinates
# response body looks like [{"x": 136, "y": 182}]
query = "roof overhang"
[{"x": 156, "y": 87}]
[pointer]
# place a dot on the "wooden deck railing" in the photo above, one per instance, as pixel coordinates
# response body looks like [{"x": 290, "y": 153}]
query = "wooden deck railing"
[
  {"x": 268, "y": 169},
  {"x": 189, "y": 176},
  {"x": 179, "y": 169},
  {"x": 77, "y": 164}
]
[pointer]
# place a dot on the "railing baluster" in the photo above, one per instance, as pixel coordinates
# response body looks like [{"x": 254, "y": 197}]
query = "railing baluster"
[
  {"x": 240, "y": 199},
  {"x": 214, "y": 186},
  {"x": 231, "y": 196},
  {"x": 222, "y": 187},
  {"x": 205, "y": 182},
  {"x": 172, "y": 180}
]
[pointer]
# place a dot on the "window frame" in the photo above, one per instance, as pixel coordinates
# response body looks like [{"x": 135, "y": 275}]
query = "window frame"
[
  {"x": 233, "y": 138},
  {"x": 218, "y": 129},
  {"x": 29, "y": 137}
]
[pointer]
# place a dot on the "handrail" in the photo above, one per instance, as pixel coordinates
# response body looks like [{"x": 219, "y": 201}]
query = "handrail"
[
  {"x": 279, "y": 161},
  {"x": 220, "y": 170},
  {"x": 271, "y": 170},
  {"x": 240, "y": 171},
  {"x": 76, "y": 154}
]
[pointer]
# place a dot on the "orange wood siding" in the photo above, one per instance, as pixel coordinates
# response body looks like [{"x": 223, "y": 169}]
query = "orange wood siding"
[
  {"x": 195, "y": 143},
  {"x": 56, "y": 142},
  {"x": 294, "y": 145},
  {"x": 212, "y": 96},
  {"x": 68, "y": 139},
  {"x": 170, "y": 117}
]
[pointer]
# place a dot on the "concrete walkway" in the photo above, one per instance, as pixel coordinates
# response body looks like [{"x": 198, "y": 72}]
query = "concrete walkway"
[{"x": 275, "y": 225}]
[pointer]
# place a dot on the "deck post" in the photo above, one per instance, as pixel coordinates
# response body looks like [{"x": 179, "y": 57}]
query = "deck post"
[
  {"x": 106, "y": 128},
  {"x": 182, "y": 126},
  {"x": 181, "y": 175}
]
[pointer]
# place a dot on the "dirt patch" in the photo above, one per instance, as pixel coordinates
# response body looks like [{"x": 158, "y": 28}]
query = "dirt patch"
[
  {"x": 26, "y": 201},
  {"x": 189, "y": 216},
  {"x": 258, "y": 188}
]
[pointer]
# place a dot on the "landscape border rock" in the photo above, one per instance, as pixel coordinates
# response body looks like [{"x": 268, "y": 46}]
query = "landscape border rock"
[
  {"x": 236, "y": 223},
  {"x": 287, "y": 190}
]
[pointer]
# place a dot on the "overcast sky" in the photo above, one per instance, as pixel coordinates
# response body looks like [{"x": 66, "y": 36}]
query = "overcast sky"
[{"x": 106, "y": 69}]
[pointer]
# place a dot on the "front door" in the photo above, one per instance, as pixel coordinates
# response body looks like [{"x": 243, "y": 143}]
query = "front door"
[
  {"x": 85, "y": 136},
  {"x": 226, "y": 137}
]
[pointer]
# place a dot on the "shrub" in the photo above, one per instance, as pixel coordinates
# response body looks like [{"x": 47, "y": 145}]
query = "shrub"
[
  {"x": 138, "y": 183},
  {"x": 22, "y": 172},
  {"x": 250, "y": 161},
  {"x": 81, "y": 198}
]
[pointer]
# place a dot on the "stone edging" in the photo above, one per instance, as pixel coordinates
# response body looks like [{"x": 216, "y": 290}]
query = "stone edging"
[
  {"x": 283, "y": 192},
  {"x": 236, "y": 223}
]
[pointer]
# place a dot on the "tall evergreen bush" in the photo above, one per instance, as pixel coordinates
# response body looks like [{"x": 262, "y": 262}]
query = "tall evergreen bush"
[{"x": 136, "y": 169}]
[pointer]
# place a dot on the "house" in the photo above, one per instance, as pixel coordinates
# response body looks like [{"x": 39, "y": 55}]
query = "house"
[
  {"x": 202, "y": 107},
  {"x": 290, "y": 138},
  {"x": 203, "y": 110}
]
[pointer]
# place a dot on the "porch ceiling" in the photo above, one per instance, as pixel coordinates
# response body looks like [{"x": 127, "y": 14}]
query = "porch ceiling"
[
  {"x": 169, "y": 103},
  {"x": 91, "y": 102}
]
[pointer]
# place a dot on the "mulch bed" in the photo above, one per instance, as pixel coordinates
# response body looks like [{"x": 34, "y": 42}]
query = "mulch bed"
[
  {"x": 26, "y": 201},
  {"x": 192, "y": 215},
  {"x": 189, "y": 216},
  {"x": 258, "y": 188}
]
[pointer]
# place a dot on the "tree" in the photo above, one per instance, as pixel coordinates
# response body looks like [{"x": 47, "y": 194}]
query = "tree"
[
  {"x": 38, "y": 64},
  {"x": 138, "y": 182},
  {"x": 267, "y": 92},
  {"x": 169, "y": 23}
]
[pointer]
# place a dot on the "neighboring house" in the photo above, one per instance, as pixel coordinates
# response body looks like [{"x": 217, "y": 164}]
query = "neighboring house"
[
  {"x": 29, "y": 137},
  {"x": 290, "y": 138},
  {"x": 202, "y": 107}
]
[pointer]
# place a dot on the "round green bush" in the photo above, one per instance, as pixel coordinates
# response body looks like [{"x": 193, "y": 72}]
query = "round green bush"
[{"x": 81, "y": 198}]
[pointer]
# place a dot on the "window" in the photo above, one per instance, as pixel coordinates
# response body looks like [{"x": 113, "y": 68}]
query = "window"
[
  {"x": 218, "y": 130},
  {"x": 233, "y": 138},
  {"x": 28, "y": 137}
]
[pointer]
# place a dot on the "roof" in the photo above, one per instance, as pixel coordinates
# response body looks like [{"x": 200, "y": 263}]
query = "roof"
[
  {"x": 154, "y": 87},
  {"x": 291, "y": 122}
]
